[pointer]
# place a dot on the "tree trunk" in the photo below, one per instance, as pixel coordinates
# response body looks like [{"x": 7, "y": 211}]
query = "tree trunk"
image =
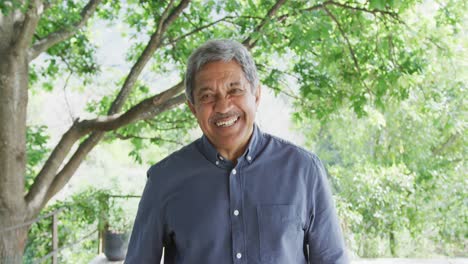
[
  {"x": 13, "y": 106},
  {"x": 392, "y": 243},
  {"x": 12, "y": 242}
]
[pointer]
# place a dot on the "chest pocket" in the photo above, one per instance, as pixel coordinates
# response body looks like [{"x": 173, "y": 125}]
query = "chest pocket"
[{"x": 281, "y": 236}]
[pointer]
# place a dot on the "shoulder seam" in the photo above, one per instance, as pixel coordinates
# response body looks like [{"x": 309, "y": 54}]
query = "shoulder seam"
[
  {"x": 289, "y": 143},
  {"x": 170, "y": 156}
]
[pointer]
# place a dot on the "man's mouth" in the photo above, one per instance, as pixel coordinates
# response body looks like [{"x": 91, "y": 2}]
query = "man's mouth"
[{"x": 227, "y": 122}]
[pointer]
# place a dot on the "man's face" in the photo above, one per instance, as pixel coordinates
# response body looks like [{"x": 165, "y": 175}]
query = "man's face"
[{"x": 224, "y": 105}]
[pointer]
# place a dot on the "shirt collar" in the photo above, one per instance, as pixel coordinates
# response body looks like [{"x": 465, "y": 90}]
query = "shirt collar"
[
  {"x": 210, "y": 152},
  {"x": 254, "y": 145}
]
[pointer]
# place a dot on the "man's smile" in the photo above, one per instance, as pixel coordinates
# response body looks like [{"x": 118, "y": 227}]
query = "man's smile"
[{"x": 227, "y": 122}]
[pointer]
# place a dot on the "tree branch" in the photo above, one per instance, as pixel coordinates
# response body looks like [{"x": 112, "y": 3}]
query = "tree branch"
[
  {"x": 164, "y": 15},
  {"x": 175, "y": 124},
  {"x": 28, "y": 26},
  {"x": 127, "y": 137},
  {"x": 311, "y": 8},
  {"x": 64, "y": 33},
  {"x": 47, "y": 5},
  {"x": 146, "y": 109},
  {"x": 175, "y": 14},
  {"x": 153, "y": 44},
  {"x": 447, "y": 143},
  {"x": 370, "y": 11},
  {"x": 196, "y": 30},
  {"x": 48, "y": 183},
  {"x": 374, "y": 12},
  {"x": 250, "y": 42},
  {"x": 350, "y": 47},
  {"x": 37, "y": 193},
  {"x": 72, "y": 165}
]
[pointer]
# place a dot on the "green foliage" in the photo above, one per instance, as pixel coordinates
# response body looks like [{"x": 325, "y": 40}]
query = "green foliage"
[
  {"x": 116, "y": 219},
  {"x": 351, "y": 54},
  {"x": 378, "y": 200},
  {"x": 81, "y": 214},
  {"x": 10, "y": 5},
  {"x": 399, "y": 171},
  {"x": 79, "y": 217},
  {"x": 36, "y": 151},
  {"x": 109, "y": 10},
  {"x": 380, "y": 96},
  {"x": 169, "y": 130},
  {"x": 340, "y": 54},
  {"x": 74, "y": 55}
]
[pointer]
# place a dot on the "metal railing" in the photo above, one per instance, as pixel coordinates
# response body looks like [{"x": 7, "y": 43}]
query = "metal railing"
[{"x": 55, "y": 232}]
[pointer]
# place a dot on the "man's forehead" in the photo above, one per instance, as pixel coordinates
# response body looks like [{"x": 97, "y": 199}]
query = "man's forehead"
[
  {"x": 217, "y": 75},
  {"x": 219, "y": 72}
]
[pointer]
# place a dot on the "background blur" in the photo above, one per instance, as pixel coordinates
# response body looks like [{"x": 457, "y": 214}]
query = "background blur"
[{"x": 377, "y": 89}]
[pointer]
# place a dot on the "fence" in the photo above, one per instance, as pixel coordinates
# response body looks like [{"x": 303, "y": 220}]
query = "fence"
[{"x": 55, "y": 227}]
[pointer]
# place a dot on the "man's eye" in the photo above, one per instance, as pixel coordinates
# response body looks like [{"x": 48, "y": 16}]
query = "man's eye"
[
  {"x": 236, "y": 91},
  {"x": 206, "y": 97},
  {"x": 234, "y": 85}
]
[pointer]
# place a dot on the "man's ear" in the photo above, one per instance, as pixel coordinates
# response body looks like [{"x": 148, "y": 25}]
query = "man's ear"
[
  {"x": 258, "y": 95},
  {"x": 192, "y": 107}
]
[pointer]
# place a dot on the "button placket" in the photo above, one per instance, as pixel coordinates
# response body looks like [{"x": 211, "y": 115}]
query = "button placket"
[{"x": 236, "y": 221}]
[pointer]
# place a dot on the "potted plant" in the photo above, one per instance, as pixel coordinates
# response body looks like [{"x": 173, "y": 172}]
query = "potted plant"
[{"x": 116, "y": 232}]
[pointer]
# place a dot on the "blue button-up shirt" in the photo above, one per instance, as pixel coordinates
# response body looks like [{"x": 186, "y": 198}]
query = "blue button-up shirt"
[{"x": 273, "y": 206}]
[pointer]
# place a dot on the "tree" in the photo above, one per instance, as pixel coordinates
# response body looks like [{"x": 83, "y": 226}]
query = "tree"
[
  {"x": 398, "y": 169},
  {"x": 342, "y": 53}
]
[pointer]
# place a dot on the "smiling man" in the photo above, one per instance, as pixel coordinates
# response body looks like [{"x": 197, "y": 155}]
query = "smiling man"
[
  {"x": 236, "y": 195},
  {"x": 224, "y": 103}
]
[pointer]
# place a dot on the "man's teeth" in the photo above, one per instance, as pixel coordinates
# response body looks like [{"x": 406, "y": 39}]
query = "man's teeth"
[{"x": 227, "y": 123}]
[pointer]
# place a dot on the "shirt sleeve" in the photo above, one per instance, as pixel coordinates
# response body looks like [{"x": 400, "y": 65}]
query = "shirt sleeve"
[
  {"x": 324, "y": 235},
  {"x": 146, "y": 241}
]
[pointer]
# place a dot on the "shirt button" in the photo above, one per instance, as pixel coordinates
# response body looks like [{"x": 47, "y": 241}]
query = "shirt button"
[
  {"x": 234, "y": 171},
  {"x": 238, "y": 255},
  {"x": 217, "y": 162},
  {"x": 236, "y": 212},
  {"x": 249, "y": 158},
  {"x": 221, "y": 158}
]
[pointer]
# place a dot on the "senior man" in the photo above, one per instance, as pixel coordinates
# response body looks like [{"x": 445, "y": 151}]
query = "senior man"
[{"x": 237, "y": 194}]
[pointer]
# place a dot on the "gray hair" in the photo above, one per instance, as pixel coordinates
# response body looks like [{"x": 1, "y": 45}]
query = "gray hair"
[{"x": 219, "y": 50}]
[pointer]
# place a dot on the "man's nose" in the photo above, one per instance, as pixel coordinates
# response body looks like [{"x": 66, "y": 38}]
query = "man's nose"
[{"x": 222, "y": 104}]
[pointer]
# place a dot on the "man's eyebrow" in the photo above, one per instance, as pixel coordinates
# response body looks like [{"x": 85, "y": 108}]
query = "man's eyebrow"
[
  {"x": 203, "y": 89},
  {"x": 235, "y": 83}
]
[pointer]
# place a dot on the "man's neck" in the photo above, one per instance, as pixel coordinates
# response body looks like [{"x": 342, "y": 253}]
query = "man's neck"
[{"x": 233, "y": 155}]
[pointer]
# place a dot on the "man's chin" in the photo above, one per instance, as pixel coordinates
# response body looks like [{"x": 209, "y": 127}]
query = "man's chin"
[{"x": 232, "y": 141}]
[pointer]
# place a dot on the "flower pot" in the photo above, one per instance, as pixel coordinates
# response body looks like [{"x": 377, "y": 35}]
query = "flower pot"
[{"x": 115, "y": 245}]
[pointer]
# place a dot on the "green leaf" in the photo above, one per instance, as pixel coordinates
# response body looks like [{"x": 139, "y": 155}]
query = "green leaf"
[{"x": 378, "y": 4}]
